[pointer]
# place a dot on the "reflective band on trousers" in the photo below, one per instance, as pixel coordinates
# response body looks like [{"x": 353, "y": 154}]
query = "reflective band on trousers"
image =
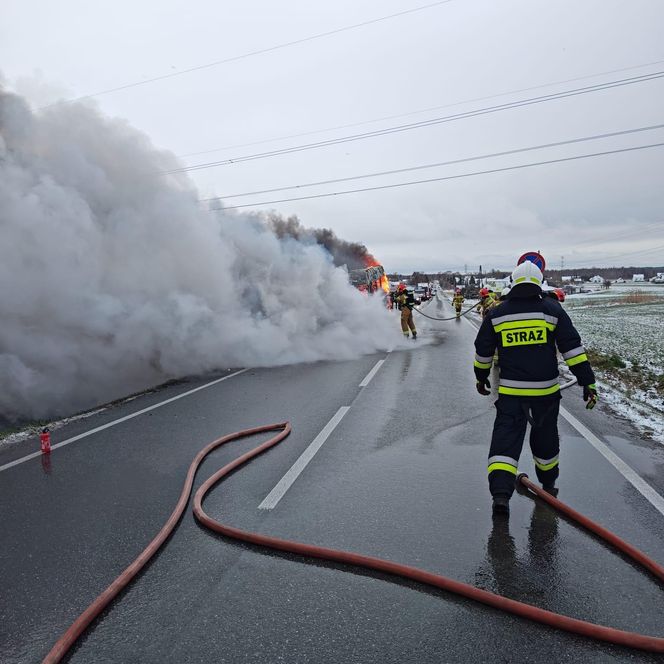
[
  {"x": 502, "y": 466},
  {"x": 546, "y": 464},
  {"x": 500, "y": 462},
  {"x": 482, "y": 365}
]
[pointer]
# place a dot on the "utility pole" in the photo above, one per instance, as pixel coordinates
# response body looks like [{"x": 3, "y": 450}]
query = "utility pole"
[{"x": 562, "y": 263}]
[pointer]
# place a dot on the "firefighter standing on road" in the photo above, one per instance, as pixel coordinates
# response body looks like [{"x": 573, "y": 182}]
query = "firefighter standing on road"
[
  {"x": 406, "y": 303},
  {"x": 488, "y": 300},
  {"x": 457, "y": 301},
  {"x": 527, "y": 328}
]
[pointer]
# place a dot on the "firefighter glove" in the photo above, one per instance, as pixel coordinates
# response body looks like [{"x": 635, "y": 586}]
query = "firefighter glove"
[
  {"x": 590, "y": 395},
  {"x": 483, "y": 387}
]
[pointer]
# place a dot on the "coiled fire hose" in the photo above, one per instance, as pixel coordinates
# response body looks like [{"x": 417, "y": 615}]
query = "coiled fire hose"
[{"x": 591, "y": 630}]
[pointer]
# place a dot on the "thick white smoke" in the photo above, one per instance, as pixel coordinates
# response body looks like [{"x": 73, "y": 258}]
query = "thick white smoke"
[{"x": 114, "y": 279}]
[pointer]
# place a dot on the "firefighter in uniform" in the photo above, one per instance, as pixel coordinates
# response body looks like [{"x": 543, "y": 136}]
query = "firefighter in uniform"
[
  {"x": 527, "y": 328},
  {"x": 494, "y": 301},
  {"x": 406, "y": 303},
  {"x": 488, "y": 300},
  {"x": 457, "y": 301}
]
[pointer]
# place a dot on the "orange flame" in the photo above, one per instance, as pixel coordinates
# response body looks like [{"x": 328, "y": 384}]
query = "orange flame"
[{"x": 370, "y": 261}]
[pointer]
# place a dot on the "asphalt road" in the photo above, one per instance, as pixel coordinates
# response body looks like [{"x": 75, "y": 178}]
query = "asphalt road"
[{"x": 402, "y": 476}]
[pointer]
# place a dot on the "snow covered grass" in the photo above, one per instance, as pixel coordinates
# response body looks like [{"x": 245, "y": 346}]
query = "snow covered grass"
[
  {"x": 10, "y": 436},
  {"x": 624, "y": 332},
  {"x": 26, "y": 429}
]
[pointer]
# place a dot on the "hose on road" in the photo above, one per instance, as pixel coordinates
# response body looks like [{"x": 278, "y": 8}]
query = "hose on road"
[
  {"x": 615, "y": 541},
  {"x": 467, "y": 311},
  {"x": 67, "y": 640},
  {"x": 556, "y": 620}
]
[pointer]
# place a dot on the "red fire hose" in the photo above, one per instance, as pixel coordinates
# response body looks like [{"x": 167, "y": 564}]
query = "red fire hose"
[{"x": 591, "y": 630}]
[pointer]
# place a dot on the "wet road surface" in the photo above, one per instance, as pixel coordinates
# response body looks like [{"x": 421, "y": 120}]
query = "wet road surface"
[{"x": 402, "y": 476}]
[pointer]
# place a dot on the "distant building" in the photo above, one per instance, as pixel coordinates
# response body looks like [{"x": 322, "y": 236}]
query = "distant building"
[
  {"x": 566, "y": 279},
  {"x": 497, "y": 284},
  {"x": 638, "y": 277},
  {"x": 658, "y": 278},
  {"x": 597, "y": 279}
]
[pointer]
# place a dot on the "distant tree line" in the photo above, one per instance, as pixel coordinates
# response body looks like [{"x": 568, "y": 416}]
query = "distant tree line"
[{"x": 554, "y": 277}]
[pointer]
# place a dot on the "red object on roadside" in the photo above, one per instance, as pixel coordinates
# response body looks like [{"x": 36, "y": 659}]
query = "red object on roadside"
[{"x": 45, "y": 439}]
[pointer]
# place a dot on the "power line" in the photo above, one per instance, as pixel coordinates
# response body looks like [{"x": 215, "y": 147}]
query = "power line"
[
  {"x": 615, "y": 237},
  {"x": 422, "y": 110},
  {"x": 250, "y": 54},
  {"x": 637, "y": 252},
  {"x": 447, "y": 177},
  {"x": 425, "y": 123},
  {"x": 440, "y": 163},
  {"x": 586, "y": 261},
  {"x": 620, "y": 236}
]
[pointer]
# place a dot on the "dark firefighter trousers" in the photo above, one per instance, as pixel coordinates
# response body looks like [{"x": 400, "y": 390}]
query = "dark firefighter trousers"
[{"x": 512, "y": 416}]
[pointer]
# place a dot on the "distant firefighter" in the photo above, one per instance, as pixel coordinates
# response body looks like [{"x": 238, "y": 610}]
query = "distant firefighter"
[
  {"x": 457, "y": 301},
  {"x": 406, "y": 303},
  {"x": 488, "y": 300}
]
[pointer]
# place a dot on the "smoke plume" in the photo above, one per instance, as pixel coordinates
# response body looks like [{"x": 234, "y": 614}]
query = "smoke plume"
[
  {"x": 115, "y": 279},
  {"x": 351, "y": 254}
]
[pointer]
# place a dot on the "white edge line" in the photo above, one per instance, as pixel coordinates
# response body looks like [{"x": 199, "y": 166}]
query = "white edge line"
[
  {"x": 294, "y": 471},
  {"x": 372, "y": 373},
  {"x": 119, "y": 420},
  {"x": 471, "y": 324},
  {"x": 626, "y": 471}
]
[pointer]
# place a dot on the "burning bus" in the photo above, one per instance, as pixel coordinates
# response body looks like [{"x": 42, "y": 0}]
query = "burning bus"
[{"x": 370, "y": 279}]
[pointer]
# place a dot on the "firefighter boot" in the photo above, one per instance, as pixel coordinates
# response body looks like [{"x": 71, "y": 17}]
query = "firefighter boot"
[
  {"x": 501, "y": 504},
  {"x": 414, "y": 335}
]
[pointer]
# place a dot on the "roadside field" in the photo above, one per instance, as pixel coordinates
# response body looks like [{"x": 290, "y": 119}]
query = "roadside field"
[{"x": 624, "y": 330}]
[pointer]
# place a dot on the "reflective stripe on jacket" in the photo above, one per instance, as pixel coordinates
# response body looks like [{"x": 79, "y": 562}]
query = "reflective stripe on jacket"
[
  {"x": 526, "y": 332},
  {"x": 405, "y": 299}
]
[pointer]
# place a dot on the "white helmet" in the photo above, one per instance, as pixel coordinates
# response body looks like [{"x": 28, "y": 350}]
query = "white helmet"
[{"x": 526, "y": 280}]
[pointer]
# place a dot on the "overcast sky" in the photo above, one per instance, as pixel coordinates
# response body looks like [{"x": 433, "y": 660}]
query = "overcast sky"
[{"x": 607, "y": 210}]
